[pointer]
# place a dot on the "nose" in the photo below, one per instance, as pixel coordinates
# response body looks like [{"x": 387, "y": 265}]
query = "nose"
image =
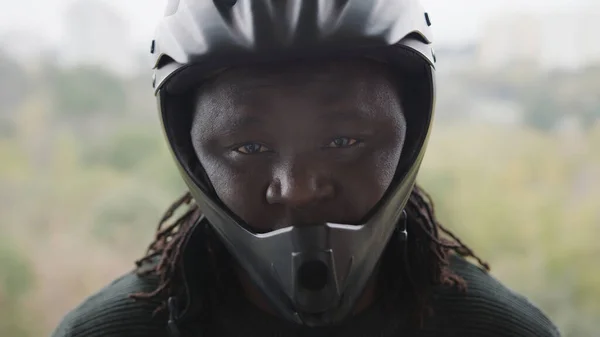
[{"x": 298, "y": 187}]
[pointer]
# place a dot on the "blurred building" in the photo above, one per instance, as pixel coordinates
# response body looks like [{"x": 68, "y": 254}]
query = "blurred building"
[
  {"x": 24, "y": 46},
  {"x": 95, "y": 33},
  {"x": 456, "y": 57},
  {"x": 560, "y": 40}
]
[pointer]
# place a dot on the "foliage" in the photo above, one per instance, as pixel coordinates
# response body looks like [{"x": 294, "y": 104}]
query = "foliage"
[
  {"x": 16, "y": 279},
  {"x": 527, "y": 208},
  {"x": 546, "y": 98},
  {"x": 86, "y": 91},
  {"x": 13, "y": 85}
]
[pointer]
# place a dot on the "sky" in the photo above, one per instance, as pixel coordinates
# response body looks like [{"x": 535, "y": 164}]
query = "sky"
[{"x": 454, "y": 21}]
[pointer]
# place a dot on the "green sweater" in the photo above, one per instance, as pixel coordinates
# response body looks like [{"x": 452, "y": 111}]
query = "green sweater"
[{"x": 486, "y": 309}]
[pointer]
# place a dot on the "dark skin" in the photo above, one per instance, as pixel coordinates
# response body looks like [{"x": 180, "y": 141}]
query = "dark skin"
[{"x": 300, "y": 144}]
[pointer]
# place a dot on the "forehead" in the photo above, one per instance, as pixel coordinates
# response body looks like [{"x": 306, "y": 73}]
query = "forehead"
[{"x": 341, "y": 80}]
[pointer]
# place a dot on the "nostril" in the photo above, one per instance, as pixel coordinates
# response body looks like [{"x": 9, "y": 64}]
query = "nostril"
[
  {"x": 274, "y": 192},
  {"x": 299, "y": 189},
  {"x": 326, "y": 191}
]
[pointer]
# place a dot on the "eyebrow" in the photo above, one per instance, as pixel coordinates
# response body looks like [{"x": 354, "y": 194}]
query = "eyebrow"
[
  {"x": 240, "y": 123},
  {"x": 350, "y": 114},
  {"x": 243, "y": 122}
]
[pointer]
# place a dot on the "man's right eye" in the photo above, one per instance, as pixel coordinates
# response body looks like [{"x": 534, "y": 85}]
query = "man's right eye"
[{"x": 252, "y": 148}]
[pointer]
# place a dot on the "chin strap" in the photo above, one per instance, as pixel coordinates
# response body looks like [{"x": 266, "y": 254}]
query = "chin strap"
[
  {"x": 401, "y": 228},
  {"x": 173, "y": 317},
  {"x": 402, "y": 236}
]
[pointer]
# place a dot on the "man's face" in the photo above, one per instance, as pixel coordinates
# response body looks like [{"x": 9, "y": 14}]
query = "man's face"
[{"x": 300, "y": 144}]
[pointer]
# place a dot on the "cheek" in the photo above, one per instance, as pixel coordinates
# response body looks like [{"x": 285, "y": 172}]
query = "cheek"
[
  {"x": 385, "y": 161},
  {"x": 241, "y": 190},
  {"x": 368, "y": 185},
  {"x": 386, "y": 164}
]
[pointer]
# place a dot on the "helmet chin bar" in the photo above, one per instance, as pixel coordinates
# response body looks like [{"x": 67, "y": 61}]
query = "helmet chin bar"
[{"x": 311, "y": 275}]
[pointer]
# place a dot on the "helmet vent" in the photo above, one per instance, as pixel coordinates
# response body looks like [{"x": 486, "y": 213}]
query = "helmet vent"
[
  {"x": 163, "y": 61},
  {"x": 313, "y": 275}
]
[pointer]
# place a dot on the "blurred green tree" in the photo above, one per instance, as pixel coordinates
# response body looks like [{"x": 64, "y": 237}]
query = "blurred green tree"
[
  {"x": 14, "y": 83},
  {"x": 87, "y": 91},
  {"x": 16, "y": 279},
  {"x": 542, "y": 111}
]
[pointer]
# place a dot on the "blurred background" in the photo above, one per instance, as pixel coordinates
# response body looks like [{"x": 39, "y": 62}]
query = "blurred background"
[{"x": 513, "y": 163}]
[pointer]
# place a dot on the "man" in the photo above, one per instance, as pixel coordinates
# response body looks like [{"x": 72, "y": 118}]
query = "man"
[{"x": 299, "y": 127}]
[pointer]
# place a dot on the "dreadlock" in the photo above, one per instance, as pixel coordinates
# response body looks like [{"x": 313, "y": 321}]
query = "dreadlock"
[{"x": 420, "y": 263}]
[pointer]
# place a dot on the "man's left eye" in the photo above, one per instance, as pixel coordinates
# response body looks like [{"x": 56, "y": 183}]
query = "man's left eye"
[{"x": 342, "y": 142}]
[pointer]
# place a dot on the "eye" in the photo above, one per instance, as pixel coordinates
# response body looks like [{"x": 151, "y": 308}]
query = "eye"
[
  {"x": 341, "y": 142},
  {"x": 251, "y": 148}
]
